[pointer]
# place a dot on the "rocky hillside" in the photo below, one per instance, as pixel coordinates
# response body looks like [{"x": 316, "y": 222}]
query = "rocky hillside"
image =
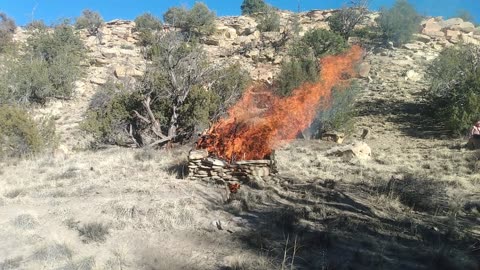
[
  {"x": 411, "y": 203},
  {"x": 113, "y": 54}
]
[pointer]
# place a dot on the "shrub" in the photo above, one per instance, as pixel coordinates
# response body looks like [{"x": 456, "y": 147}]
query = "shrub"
[
  {"x": 110, "y": 114},
  {"x": 36, "y": 25},
  {"x": 454, "y": 94},
  {"x": 94, "y": 231},
  {"x": 324, "y": 42},
  {"x": 340, "y": 113},
  {"x": 89, "y": 20},
  {"x": 147, "y": 21},
  {"x": 49, "y": 67},
  {"x": 268, "y": 21},
  {"x": 250, "y": 7},
  {"x": 20, "y": 135},
  {"x": 7, "y": 29},
  {"x": 344, "y": 21},
  {"x": 398, "y": 23},
  {"x": 180, "y": 89},
  {"x": 198, "y": 21},
  {"x": 294, "y": 73}
]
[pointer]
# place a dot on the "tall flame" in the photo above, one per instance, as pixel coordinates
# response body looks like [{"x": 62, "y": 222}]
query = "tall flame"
[{"x": 261, "y": 121}]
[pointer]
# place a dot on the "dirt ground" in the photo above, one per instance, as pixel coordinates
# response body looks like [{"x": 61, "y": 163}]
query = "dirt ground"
[{"x": 415, "y": 204}]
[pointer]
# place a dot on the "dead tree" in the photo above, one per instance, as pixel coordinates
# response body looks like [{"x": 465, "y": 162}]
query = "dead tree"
[
  {"x": 346, "y": 19},
  {"x": 176, "y": 67}
]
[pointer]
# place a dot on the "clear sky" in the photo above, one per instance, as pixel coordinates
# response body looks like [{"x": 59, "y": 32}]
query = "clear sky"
[{"x": 52, "y": 10}]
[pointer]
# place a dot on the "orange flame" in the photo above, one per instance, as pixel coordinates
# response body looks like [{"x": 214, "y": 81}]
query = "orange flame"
[{"x": 261, "y": 121}]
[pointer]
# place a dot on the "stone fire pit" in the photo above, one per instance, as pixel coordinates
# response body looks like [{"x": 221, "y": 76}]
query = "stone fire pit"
[{"x": 201, "y": 166}]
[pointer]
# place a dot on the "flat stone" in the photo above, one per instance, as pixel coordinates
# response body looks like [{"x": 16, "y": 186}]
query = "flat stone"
[
  {"x": 198, "y": 154},
  {"x": 422, "y": 38},
  {"x": 249, "y": 162}
]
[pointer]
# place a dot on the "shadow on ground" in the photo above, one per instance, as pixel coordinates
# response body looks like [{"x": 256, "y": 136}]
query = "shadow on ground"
[
  {"x": 413, "y": 118},
  {"x": 315, "y": 226}
]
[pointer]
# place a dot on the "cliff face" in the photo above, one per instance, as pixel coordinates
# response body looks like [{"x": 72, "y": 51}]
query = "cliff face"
[{"x": 113, "y": 54}]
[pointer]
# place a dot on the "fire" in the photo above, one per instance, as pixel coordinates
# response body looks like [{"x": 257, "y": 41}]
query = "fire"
[{"x": 261, "y": 121}]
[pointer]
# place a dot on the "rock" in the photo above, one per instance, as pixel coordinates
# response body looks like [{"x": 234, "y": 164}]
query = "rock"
[
  {"x": 254, "y": 53},
  {"x": 98, "y": 80},
  {"x": 413, "y": 76},
  {"x": 110, "y": 53},
  {"x": 432, "y": 29},
  {"x": 477, "y": 31},
  {"x": 214, "y": 41},
  {"x": 452, "y": 35},
  {"x": 422, "y": 38},
  {"x": 412, "y": 46},
  {"x": 215, "y": 162},
  {"x": 225, "y": 32},
  {"x": 363, "y": 69},
  {"x": 316, "y": 15},
  {"x": 358, "y": 150},
  {"x": 465, "y": 27},
  {"x": 473, "y": 143},
  {"x": 122, "y": 72},
  {"x": 450, "y": 23},
  {"x": 198, "y": 154},
  {"x": 469, "y": 39}
]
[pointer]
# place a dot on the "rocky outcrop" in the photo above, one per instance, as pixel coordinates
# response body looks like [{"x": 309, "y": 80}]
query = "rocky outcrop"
[{"x": 448, "y": 32}]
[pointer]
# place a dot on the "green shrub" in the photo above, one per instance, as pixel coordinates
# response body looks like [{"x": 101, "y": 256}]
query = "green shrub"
[
  {"x": 250, "y": 7},
  {"x": 340, "y": 112},
  {"x": 110, "y": 113},
  {"x": 268, "y": 21},
  {"x": 49, "y": 67},
  {"x": 147, "y": 21},
  {"x": 7, "y": 29},
  {"x": 198, "y": 21},
  {"x": 294, "y": 73},
  {"x": 454, "y": 94},
  {"x": 302, "y": 65},
  {"x": 346, "y": 19},
  {"x": 89, "y": 20},
  {"x": 20, "y": 135},
  {"x": 36, "y": 25},
  {"x": 324, "y": 42},
  {"x": 398, "y": 23}
]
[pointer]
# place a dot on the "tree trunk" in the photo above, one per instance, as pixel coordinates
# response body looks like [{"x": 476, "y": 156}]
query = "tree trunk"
[{"x": 172, "y": 131}]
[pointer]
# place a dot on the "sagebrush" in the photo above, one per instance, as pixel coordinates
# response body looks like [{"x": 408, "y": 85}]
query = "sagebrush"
[{"x": 21, "y": 135}]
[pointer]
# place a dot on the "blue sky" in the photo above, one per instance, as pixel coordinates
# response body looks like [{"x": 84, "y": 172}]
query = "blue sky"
[{"x": 52, "y": 10}]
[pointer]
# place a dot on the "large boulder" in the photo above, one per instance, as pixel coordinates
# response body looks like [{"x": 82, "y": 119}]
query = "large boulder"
[
  {"x": 466, "y": 27},
  {"x": 432, "y": 29},
  {"x": 363, "y": 69},
  {"x": 450, "y": 23}
]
